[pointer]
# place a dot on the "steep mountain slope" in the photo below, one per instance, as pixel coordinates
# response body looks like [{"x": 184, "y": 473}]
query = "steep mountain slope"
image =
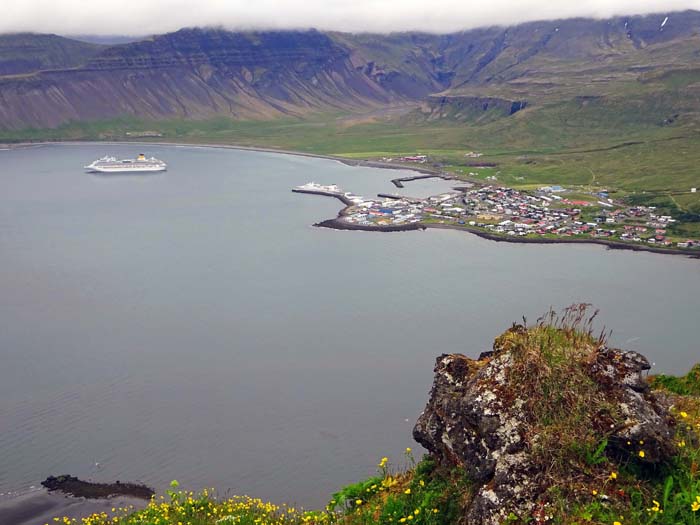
[
  {"x": 472, "y": 76},
  {"x": 196, "y": 73},
  {"x": 27, "y": 52}
]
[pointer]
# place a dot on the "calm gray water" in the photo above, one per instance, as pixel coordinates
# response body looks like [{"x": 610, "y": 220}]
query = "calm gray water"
[{"x": 193, "y": 325}]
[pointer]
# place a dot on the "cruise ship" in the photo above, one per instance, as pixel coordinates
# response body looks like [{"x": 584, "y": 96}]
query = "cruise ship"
[{"x": 138, "y": 165}]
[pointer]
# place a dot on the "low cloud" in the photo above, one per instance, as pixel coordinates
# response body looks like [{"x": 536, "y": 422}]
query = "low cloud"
[{"x": 142, "y": 17}]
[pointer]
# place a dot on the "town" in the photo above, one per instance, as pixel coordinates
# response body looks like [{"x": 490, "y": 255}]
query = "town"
[{"x": 545, "y": 213}]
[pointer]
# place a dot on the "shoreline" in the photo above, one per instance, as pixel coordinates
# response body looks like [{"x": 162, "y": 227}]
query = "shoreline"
[
  {"x": 426, "y": 172},
  {"x": 339, "y": 224},
  {"x": 611, "y": 245}
]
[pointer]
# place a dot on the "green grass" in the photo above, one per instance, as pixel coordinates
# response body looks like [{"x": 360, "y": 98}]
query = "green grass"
[{"x": 687, "y": 385}]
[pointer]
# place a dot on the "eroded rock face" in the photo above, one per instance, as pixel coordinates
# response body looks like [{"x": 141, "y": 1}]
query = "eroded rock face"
[{"x": 470, "y": 421}]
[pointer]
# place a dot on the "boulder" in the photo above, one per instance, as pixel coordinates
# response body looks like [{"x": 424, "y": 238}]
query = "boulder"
[{"x": 476, "y": 419}]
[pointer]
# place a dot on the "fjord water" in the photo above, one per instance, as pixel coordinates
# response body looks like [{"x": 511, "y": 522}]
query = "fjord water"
[{"x": 192, "y": 325}]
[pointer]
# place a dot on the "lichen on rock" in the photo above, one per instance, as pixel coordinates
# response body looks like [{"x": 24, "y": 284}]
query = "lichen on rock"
[{"x": 549, "y": 404}]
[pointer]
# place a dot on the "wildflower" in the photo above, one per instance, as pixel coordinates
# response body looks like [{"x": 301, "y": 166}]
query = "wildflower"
[
  {"x": 389, "y": 482},
  {"x": 416, "y": 512},
  {"x": 656, "y": 507},
  {"x": 595, "y": 492},
  {"x": 681, "y": 443},
  {"x": 407, "y": 491},
  {"x": 435, "y": 511},
  {"x": 641, "y": 454},
  {"x": 613, "y": 475},
  {"x": 684, "y": 415},
  {"x": 421, "y": 483},
  {"x": 383, "y": 462},
  {"x": 408, "y": 450},
  {"x": 358, "y": 502},
  {"x": 616, "y": 523},
  {"x": 696, "y": 504}
]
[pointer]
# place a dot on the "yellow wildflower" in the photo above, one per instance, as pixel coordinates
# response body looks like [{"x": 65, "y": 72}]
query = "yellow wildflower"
[
  {"x": 641, "y": 454},
  {"x": 684, "y": 415},
  {"x": 613, "y": 475},
  {"x": 407, "y": 491},
  {"x": 656, "y": 507},
  {"x": 358, "y": 502},
  {"x": 696, "y": 504}
]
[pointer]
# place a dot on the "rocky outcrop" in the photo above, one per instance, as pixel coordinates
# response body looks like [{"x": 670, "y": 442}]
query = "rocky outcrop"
[
  {"x": 72, "y": 486},
  {"x": 470, "y": 108},
  {"x": 476, "y": 419}
]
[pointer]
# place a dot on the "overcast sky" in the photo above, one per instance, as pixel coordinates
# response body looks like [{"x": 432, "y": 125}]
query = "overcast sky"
[{"x": 142, "y": 17}]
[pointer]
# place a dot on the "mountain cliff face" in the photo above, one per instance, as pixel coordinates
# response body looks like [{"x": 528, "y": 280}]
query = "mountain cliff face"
[
  {"x": 201, "y": 73},
  {"x": 198, "y": 73}
]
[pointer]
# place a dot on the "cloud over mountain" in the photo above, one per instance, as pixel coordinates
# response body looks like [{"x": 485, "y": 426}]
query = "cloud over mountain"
[{"x": 141, "y": 17}]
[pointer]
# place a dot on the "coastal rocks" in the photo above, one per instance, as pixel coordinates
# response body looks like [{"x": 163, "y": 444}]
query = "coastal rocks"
[
  {"x": 72, "y": 486},
  {"x": 476, "y": 420},
  {"x": 339, "y": 224}
]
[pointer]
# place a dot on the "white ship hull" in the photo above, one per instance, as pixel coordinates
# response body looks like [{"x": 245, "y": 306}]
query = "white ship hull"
[
  {"x": 124, "y": 169},
  {"x": 138, "y": 165}
]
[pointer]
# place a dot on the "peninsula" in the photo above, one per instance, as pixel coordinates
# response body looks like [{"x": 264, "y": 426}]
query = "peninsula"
[{"x": 548, "y": 215}]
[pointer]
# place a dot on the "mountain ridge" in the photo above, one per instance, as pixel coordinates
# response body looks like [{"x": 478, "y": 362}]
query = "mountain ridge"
[{"x": 200, "y": 73}]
